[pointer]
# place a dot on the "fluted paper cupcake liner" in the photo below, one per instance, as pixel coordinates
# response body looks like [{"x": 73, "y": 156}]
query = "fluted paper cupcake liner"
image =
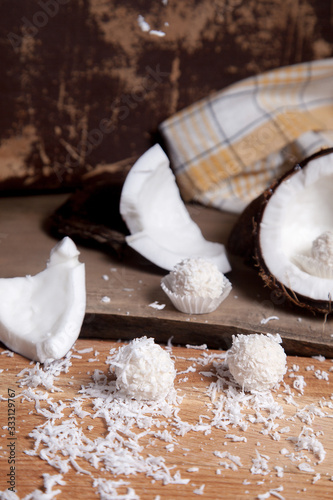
[{"x": 193, "y": 304}]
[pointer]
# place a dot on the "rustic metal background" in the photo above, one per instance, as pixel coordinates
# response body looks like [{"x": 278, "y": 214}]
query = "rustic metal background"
[{"x": 85, "y": 83}]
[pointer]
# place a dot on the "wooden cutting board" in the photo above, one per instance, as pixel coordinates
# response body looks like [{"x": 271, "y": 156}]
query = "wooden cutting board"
[
  {"x": 133, "y": 284},
  {"x": 194, "y": 454}
]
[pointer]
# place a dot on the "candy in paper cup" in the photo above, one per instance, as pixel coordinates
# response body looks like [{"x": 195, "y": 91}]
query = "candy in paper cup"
[{"x": 194, "y": 304}]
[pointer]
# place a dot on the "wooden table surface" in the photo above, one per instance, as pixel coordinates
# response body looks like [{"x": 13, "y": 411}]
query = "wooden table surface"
[
  {"x": 132, "y": 286},
  {"x": 194, "y": 454}
]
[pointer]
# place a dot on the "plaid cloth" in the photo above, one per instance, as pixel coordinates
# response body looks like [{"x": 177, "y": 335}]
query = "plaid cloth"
[{"x": 227, "y": 148}]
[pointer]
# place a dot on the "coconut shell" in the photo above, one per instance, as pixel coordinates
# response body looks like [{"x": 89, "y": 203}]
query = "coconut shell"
[
  {"x": 244, "y": 241},
  {"x": 91, "y": 215}
]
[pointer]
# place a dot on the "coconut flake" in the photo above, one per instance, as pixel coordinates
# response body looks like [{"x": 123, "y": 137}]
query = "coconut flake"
[
  {"x": 264, "y": 321},
  {"x": 156, "y": 305},
  {"x": 307, "y": 441}
]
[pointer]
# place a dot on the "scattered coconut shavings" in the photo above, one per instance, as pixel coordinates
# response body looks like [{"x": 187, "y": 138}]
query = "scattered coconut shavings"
[
  {"x": 107, "y": 490},
  {"x": 273, "y": 492},
  {"x": 236, "y": 439},
  {"x": 321, "y": 375},
  {"x": 8, "y": 353},
  {"x": 190, "y": 369},
  {"x": 157, "y": 33},
  {"x": 199, "y": 491},
  {"x": 35, "y": 375},
  {"x": 85, "y": 351},
  {"x": 279, "y": 471},
  {"x": 67, "y": 444},
  {"x": 49, "y": 482},
  {"x": 234, "y": 463},
  {"x": 203, "y": 346},
  {"x": 299, "y": 383},
  {"x": 260, "y": 464},
  {"x": 143, "y": 24},
  {"x": 316, "y": 478},
  {"x": 319, "y": 358},
  {"x": 264, "y": 321},
  {"x": 156, "y": 305},
  {"x": 305, "y": 467},
  {"x": 307, "y": 441},
  {"x": 105, "y": 299}
]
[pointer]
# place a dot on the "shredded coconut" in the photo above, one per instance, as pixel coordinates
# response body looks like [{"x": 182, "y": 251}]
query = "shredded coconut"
[
  {"x": 157, "y": 33},
  {"x": 132, "y": 426},
  {"x": 144, "y": 27},
  {"x": 105, "y": 300},
  {"x": 305, "y": 467},
  {"x": 260, "y": 464},
  {"x": 307, "y": 441},
  {"x": 264, "y": 321},
  {"x": 273, "y": 492},
  {"x": 156, "y": 305}
]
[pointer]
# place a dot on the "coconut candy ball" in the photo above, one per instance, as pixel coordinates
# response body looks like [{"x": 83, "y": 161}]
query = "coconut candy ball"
[
  {"x": 322, "y": 248},
  {"x": 144, "y": 370},
  {"x": 257, "y": 362},
  {"x": 197, "y": 276}
]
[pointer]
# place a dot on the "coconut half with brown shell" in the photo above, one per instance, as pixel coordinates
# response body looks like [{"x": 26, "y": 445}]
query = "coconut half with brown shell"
[{"x": 287, "y": 232}]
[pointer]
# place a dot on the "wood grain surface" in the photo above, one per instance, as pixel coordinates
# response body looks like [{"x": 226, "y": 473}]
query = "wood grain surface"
[
  {"x": 133, "y": 284},
  {"x": 196, "y": 449}
]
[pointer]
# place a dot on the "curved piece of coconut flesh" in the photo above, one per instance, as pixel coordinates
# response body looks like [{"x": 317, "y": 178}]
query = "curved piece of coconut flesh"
[
  {"x": 295, "y": 240},
  {"x": 160, "y": 225},
  {"x": 41, "y": 315}
]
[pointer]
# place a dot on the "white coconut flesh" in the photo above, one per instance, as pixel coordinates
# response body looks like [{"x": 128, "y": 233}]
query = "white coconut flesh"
[
  {"x": 298, "y": 213},
  {"x": 41, "y": 315},
  {"x": 160, "y": 225}
]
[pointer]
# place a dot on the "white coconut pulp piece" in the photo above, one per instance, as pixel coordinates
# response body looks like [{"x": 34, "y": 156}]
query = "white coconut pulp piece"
[
  {"x": 160, "y": 225},
  {"x": 299, "y": 210},
  {"x": 41, "y": 315}
]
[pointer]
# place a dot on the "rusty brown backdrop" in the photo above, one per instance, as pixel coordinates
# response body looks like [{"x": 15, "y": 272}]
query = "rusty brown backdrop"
[{"x": 85, "y": 83}]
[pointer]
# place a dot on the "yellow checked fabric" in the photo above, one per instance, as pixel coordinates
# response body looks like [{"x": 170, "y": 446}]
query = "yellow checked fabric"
[{"x": 227, "y": 148}]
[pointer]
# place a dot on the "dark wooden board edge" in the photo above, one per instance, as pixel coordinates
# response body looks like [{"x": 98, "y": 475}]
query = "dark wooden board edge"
[{"x": 118, "y": 327}]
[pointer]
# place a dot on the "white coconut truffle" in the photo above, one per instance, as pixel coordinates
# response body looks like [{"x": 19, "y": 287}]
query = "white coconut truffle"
[
  {"x": 257, "y": 362},
  {"x": 144, "y": 370},
  {"x": 197, "y": 277},
  {"x": 196, "y": 286},
  {"x": 322, "y": 248}
]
